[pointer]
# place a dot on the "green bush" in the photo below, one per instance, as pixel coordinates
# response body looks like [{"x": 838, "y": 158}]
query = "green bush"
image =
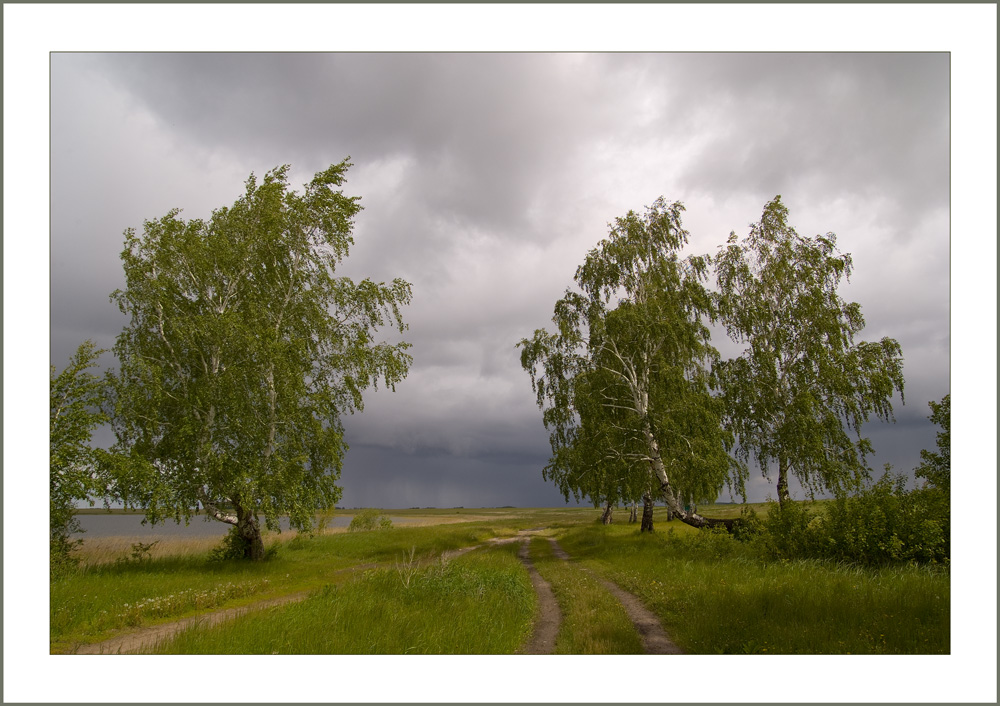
[
  {"x": 749, "y": 526},
  {"x": 885, "y": 523},
  {"x": 369, "y": 519},
  {"x": 234, "y": 545},
  {"x": 792, "y": 532},
  {"x": 61, "y": 560},
  {"x": 881, "y": 524}
]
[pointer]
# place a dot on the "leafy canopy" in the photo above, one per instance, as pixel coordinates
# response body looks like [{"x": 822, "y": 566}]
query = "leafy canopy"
[
  {"x": 624, "y": 382},
  {"x": 243, "y": 351},
  {"x": 802, "y": 382}
]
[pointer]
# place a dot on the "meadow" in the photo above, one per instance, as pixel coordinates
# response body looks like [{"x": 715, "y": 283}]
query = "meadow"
[{"x": 386, "y": 591}]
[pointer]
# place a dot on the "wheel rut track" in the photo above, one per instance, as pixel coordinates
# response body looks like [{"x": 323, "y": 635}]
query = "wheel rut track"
[
  {"x": 654, "y": 638},
  {"x": 543, "y": 638}
]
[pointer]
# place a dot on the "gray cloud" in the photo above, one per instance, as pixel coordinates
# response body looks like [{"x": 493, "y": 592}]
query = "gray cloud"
[{"x": 485, "y": 180}]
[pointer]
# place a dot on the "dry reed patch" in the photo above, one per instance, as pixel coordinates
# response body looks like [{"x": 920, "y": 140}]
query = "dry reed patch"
[{"x": 106, "y": 550}]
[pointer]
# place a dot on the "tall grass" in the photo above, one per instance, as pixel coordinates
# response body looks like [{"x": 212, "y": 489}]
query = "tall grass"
[
  {"x": 716, "y": 595},
  {"x": 594, "y": 621},
  {"x": 480, "y": 603}
]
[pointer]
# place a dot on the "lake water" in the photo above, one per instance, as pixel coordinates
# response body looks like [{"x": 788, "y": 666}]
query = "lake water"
[{"x": 131, "y": 526}]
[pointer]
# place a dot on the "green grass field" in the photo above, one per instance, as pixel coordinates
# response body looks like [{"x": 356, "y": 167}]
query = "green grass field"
[{"x": 384, "y": 592}]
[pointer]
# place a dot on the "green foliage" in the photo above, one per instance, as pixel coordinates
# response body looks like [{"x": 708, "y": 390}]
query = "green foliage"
[
  {"x": 232, "y": 546},
  {"x": 625, "y": 388},
  {"x": 802, "y": 382},
  {"x": 74, "y": 412},
  {"x": 749, "y": 526},
  {"x": 369, "y": 519},
  {"x": 793, "y": 532},
  {"x": 882, "y": 523},
  {"x": 885, "y": 523},
  {"x": 235, "y": 546},
  {"x": 140, "y": 552},
  {"x": 243, "y": 352},
  {"x": 936, "y": 467}
]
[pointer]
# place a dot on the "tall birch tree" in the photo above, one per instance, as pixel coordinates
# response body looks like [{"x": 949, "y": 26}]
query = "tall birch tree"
[
  {"x": 625, "y": 381},
  {"x": 803, "y": 384},
  {"x": 243, "y": 351}
]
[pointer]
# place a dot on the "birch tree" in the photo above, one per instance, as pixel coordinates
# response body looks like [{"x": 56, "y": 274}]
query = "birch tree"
[
  {"x": 625, "y": 381},
  {"x": 75, "y": 397},
  {"x": 243, "y": 351},
  {"x": 803, "y": 383}
]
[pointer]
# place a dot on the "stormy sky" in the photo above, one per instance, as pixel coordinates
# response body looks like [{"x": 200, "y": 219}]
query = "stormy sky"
[{"x": 485, "y": 179}]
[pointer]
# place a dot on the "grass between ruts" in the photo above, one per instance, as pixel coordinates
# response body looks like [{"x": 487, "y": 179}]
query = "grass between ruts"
[
  {"x": 716, "y": 595},
  {"x": 593, "y": 621},
  {"x": 479, "y": 603}
]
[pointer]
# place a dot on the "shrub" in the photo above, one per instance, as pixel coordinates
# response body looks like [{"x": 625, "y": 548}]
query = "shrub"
[
  {"x": 792, "y": 532},
  {"x": 881, "y": 524},
  {"x": 61, "y": 560},
  {"x": 233, "y": 546},
  {"x": 749, "y": 526},
  {"x": 369, "y": 519},
  {"x": 140, "y": 552},
  {"x": 885, "y": 523}
]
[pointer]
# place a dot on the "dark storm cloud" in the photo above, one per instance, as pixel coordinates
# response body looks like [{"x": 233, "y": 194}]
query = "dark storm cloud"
[
  {"x": 842, "y": 124},
  {"x": 478, "y": 125},
  {"x": 485, "y": 180},
  {"x": 432, "y": 478}
]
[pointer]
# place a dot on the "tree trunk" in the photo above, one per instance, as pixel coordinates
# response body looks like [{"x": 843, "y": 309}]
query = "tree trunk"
[
  {"x": 673, "y": 504},
  {"x": 647, "y": 513},
  {"x": 633, "y": 515},
  {"x": 249, "y": 530},
  {"x": 606, "y": 515},
  {"x": 783, "y": 496}
]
